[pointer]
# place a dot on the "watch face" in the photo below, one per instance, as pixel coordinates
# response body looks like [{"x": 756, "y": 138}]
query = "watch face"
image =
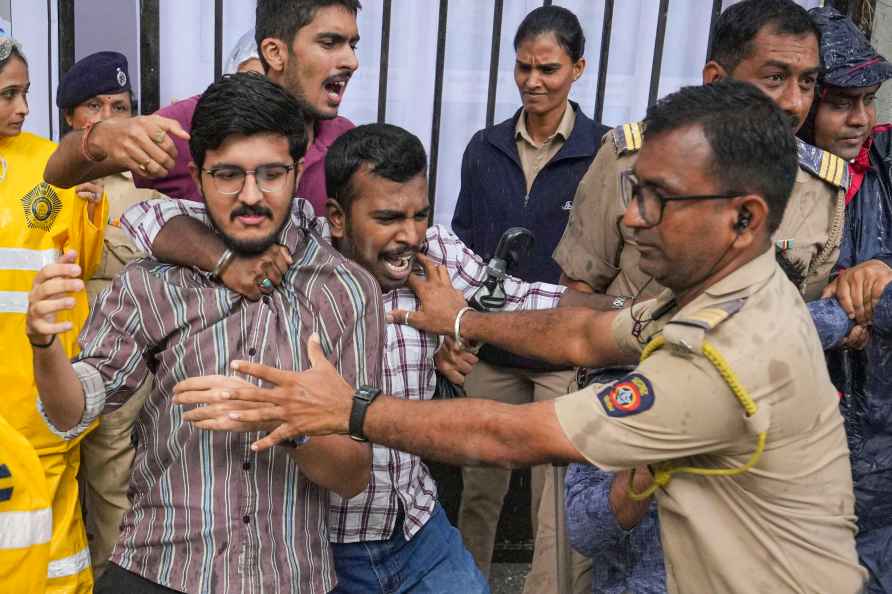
[{"x": 619, "y": 302}]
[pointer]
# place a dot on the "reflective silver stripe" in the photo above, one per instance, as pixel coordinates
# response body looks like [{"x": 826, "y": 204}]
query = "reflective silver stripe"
[
  {"x": 72, "y": 565},
  {"x": 13, "y": 302},
  {"x": 22, "y": 259},
  {"x": 23, "y": 529}
]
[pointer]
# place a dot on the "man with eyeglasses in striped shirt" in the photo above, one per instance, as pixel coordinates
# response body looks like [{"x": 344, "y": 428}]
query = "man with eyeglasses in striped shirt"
[{"x": 207, "y": 514}]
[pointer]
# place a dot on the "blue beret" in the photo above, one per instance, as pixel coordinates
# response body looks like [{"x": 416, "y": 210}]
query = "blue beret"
[
  {"x": 102, "y": 73},
  {"x": 848, "y": 58}
]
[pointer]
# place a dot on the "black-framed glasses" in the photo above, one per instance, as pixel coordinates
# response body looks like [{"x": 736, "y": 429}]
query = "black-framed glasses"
[
  {"x": 230, "y": 179},
  {"x": 651, "y": 203}
]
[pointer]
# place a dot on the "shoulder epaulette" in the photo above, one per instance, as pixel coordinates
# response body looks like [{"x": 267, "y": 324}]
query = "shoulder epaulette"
[
  {"x": 687, "y": 332},
  {"x": 824, "y": 165},
  {"x": 627, "y": 138}
]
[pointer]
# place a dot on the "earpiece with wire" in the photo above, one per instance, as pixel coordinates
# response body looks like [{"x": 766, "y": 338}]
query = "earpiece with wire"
[{"x": 743, "y": 221}]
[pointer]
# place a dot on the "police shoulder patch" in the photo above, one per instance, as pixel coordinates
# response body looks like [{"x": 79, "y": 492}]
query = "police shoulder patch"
[
  {"x": 823, "y": 165},
  {"x": 627, "y": 138},
  {"x": 629, "y": 396},
  {"x": 41, "y": 205}
]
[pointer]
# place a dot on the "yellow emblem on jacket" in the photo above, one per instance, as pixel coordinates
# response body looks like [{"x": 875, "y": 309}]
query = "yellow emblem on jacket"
[{"x": 42, "y": 205}]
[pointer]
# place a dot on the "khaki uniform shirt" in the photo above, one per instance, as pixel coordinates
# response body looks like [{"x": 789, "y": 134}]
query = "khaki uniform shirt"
[
  {"x": 118, "y": 250},
  {"x": 788, "y": 524},
  {"x": 598, "y": 249},
  {"x": 533, "y": 157}
]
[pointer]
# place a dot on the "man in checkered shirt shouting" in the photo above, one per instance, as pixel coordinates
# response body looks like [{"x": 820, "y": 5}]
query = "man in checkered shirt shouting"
[{"x": 393, "y": 537}]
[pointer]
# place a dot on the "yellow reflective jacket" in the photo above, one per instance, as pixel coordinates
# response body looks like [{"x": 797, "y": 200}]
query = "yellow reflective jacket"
[
  {"x": 26, "y": 521},
  {"x": 37, "y": 223}
]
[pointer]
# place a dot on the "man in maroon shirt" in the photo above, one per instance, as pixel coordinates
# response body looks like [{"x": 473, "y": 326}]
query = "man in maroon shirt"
[{"x": 306, "y": 46}]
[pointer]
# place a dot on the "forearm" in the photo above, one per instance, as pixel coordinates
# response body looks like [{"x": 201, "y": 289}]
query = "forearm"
[
  {"x": 203, "y": 249},
  {"x": 596, "y": 301},
  {"x": 68, "y": 167},
  {"x": 337, "y": 463},
  {"x": 59, "y": 388},
  {"x": 470, "y": 431},
  {"x": 564, "y": 336}
]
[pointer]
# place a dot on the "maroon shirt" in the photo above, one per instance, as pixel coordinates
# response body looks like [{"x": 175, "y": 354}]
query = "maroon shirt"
[{"x": 178, "y": 183}]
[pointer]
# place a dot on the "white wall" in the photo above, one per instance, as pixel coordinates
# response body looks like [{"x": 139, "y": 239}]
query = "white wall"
[{"x": 117, "y": 30}]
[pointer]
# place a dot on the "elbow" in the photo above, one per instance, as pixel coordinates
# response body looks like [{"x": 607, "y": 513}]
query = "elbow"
[
  {"x": 354, "y": 486},
  {"x": 357, "y": 481},
  {"x": 52, "y": 176},
  {"x": 580, "y": 354}
]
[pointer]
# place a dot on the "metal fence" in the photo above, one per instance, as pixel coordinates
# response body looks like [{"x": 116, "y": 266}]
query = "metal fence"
[{"x": 150, "y": 59}]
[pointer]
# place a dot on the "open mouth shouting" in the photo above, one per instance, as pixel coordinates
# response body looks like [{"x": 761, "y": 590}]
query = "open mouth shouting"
[
  {"x": 334, "y": 88},
  {"x": 398, "y": 265}
]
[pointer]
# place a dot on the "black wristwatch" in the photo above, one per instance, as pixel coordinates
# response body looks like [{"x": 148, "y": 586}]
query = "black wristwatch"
[{"x": 362, "y": 398}]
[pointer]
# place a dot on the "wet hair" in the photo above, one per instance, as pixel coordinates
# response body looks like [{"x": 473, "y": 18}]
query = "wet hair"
[
  {"x": 737, "y": 27},
  {"x": 246, "y": 104},
  {"x": 282, "y": 19},
  {"x": 387, "y": 151},
  {"x": 557, "y": 20},
  {"x": 752, "y": 144}
]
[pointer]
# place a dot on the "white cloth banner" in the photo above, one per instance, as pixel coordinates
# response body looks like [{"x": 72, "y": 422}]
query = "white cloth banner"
[{"x": 187, "y": 56}]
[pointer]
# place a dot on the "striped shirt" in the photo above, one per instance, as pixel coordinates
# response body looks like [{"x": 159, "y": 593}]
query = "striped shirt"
[
  {"x": 207, "y": 514},
  {"x": 398, "y": 478}
]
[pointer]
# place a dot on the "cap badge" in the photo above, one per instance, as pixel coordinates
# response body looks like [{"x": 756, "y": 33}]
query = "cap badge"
[{"x": 122, "y": 78}]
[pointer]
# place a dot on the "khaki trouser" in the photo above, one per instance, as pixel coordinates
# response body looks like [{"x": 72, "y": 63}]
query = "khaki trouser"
[
  {"x": 542, "y": 578},
  {"x": 106, "y": 460},
  {"x": 485, "y": 488},
  {"x": 107, "y": 453}
]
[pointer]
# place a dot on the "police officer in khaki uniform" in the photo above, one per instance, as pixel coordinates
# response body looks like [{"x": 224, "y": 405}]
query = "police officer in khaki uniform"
[
  {"x": 769, "y": 43},
  {"x": 731, "y": 404},
  {"x": 97, "y": 88},
  {"x": 772, "y": 44}
]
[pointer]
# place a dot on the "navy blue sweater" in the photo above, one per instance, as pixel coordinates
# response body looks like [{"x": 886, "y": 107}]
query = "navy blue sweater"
[{"x": 493, "y": 197}]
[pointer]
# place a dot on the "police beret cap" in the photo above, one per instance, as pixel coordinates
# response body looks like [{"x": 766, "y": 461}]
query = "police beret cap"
[{"x": 102, "y": 73}]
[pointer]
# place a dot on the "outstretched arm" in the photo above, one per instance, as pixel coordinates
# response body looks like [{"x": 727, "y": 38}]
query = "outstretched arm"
[
  {"x": 318, "y": 402},
  {"x": 141, "y": 144},
  {"x": 565, "y": 336},
  {"x": 334, "y": 462}
]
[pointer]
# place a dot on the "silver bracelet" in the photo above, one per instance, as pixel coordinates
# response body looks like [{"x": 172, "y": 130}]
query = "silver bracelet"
[
  {"x": 221, "y": 265},
  {"x": 456, "y": 328}
]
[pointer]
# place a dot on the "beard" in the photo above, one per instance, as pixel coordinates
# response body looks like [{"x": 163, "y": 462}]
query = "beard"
[
  {"x": 242, "y": 247},
  {"x": 294, "y": 86}
]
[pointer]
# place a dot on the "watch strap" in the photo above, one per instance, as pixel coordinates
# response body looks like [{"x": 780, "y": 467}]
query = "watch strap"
[{"x": 362, "y": 398}]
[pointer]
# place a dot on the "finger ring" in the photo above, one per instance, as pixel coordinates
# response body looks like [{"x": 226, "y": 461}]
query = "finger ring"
[
  {"x": 408, "y": 313},
  {"x": 159, "y": 136},
  {"x": 265, "y": 284},
  {"x": 144, "y": 166}
]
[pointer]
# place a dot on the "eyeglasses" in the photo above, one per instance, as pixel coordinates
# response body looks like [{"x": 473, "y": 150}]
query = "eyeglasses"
[
  {"x": 230, "y": 180},
  {"x": 651, "y": 203}
]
